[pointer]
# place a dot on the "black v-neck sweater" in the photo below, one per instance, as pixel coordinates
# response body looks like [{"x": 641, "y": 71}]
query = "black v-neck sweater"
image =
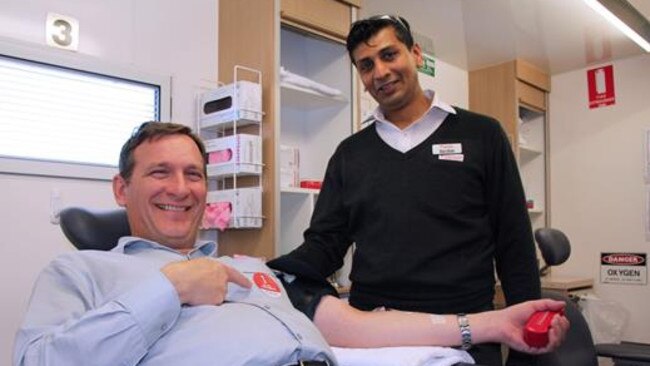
[{"x": 428, "y": 231}]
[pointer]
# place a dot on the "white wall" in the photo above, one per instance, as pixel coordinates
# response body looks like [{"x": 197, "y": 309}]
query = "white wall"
[
  {"x": 598, "y": 194},
  {"x": 450, "y": 83},
  {"x": 165, "y": 37}
]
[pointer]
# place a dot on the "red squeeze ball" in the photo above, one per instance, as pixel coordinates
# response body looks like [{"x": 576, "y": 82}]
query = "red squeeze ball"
[{"x": 536, "y": 329}]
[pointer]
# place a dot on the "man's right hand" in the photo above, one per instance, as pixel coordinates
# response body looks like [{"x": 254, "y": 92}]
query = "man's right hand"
[{"x": 202, "y": 281}]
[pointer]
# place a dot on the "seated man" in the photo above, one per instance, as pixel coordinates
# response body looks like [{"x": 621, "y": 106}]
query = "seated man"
[{"x": 161, "y": 298}]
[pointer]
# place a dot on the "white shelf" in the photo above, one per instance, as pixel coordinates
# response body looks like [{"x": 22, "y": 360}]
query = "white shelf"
[
  {"x": 297, "y": 190},
  {"x": 526, "y": 113},
  {"x": 535, "y": 211},
  {"x": 302, "y": 98},
  {"x": 527, "y": 153},
  {"x": 229, "y": 169},
  {"x": 246, "y": 118},
  {"x": 310, "y": 122}
]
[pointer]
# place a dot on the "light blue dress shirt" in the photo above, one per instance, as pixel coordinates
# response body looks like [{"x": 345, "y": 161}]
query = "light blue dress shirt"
[{"x": 117, "y": 308}]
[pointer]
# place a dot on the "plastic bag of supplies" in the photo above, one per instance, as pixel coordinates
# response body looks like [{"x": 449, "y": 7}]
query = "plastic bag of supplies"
[{"x": 607, "y": 319}]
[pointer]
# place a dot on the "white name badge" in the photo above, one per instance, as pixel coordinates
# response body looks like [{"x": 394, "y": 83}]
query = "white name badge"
[{"x": 443, "y": 149}]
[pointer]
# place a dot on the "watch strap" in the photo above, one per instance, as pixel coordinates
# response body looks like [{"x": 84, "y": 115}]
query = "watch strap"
[{"x": 465, "y": 332}]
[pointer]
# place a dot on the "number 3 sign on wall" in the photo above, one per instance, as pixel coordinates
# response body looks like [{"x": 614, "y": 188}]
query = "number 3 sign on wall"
[{"x": 62, "y": 31}]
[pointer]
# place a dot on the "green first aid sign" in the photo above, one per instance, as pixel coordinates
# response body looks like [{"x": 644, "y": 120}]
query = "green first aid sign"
[{"x": 429, "y": 65}]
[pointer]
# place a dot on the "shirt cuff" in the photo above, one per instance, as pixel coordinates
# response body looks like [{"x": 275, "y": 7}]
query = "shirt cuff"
[{"x": 154, "y": 305}]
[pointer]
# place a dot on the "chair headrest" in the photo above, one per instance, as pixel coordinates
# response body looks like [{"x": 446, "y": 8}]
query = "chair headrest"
[
  {"x": 554, "y": 245},
  {"x": 89, "y": 229}
]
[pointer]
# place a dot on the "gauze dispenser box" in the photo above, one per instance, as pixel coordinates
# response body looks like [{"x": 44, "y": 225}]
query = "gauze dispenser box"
[
  {"x": 239, "y": 154},
  {"x": 239, "y": 101}
]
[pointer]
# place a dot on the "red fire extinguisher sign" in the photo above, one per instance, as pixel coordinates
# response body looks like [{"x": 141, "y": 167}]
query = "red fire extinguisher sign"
[{"x": 601, "y": 86}]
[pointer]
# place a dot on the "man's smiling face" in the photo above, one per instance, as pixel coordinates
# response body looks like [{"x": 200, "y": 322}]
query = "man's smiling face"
[
  {"x": 388, "y": 69},
  {"x": 165, "y": 196}
]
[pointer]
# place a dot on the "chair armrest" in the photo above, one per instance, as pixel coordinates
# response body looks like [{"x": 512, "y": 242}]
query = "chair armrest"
[{"x": 625, "y": 351}]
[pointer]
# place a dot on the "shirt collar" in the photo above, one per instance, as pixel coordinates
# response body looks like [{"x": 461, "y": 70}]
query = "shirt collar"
[
  {"x": 436, "y": 103},
  {"x": 126, "y": 244}
]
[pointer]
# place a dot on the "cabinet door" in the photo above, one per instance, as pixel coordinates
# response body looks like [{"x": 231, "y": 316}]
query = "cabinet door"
[
  {"x": 531, "y": 96},
  {"x": 329, "y": 16},
  {"x": 532, "y": 75}
]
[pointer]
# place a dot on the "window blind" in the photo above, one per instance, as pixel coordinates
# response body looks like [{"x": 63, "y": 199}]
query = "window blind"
[{"x": 56, "y": 114}]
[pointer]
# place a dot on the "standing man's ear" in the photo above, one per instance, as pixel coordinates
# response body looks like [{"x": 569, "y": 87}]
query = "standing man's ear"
[
  {"x": 417, "y": 53},
  {"x": 119, "y": 190}
]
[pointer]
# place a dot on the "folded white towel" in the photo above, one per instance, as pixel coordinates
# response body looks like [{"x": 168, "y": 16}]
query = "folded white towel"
[
  {"x": 301, "y": 81},
  {"x": 401, "y": 356}
]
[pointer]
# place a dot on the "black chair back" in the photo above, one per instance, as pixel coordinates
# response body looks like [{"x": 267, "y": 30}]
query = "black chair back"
[
  {"x": 554, "y": 245},
  {"x": 98, "y": 230}
]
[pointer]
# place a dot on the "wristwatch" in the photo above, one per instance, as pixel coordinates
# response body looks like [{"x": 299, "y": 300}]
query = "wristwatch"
[{"x": 465, "y": 332}]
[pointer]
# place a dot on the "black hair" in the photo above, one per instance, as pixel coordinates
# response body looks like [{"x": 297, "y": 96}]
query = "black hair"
[{"x": 364, "y": 29}]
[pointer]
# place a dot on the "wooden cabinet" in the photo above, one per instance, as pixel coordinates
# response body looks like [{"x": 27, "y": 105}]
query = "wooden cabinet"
[
  {"x": 306, "y": 38},
  {"x": 516, "y": 93},
  {"x": 327, "y": 16},
  {"x": 567, "y": 286}
]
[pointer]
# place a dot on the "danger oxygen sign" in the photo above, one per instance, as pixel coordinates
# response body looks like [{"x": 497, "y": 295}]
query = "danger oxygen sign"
[{"x": 624, "y": 268}]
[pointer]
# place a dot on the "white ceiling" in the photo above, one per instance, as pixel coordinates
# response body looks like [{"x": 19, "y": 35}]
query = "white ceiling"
[{"x": 556, "y": 35}]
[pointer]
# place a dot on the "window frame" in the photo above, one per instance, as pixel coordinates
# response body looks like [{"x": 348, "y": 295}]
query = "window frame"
[{"x": 85, "y": 63}]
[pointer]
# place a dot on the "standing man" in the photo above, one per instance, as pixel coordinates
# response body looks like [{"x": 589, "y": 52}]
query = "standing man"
[{"x": 430, "y": 194}]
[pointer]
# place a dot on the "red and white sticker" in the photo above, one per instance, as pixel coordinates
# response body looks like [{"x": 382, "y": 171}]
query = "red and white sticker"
[{"x": 267, "y": 284}]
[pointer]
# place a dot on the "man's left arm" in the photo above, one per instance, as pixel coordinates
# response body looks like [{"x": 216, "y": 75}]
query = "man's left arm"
[{"x": 515, "y": 256}]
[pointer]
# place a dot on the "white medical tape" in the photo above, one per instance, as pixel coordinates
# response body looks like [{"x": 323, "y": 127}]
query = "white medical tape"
[{"x": 437, "y": 319}]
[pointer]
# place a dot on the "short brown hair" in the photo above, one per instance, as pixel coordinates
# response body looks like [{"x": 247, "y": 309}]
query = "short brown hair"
[{"x": 149, "y": 131}]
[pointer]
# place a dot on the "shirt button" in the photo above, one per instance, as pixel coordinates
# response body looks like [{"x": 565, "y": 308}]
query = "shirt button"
[
  {"x": 163, "y": 327},
  {"x": 267, "y": 307},
  {"x": 299, "y": 336}
]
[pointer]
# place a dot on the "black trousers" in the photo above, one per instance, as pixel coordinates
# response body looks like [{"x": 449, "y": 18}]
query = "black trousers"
[{"x": 487, "y": 354}]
